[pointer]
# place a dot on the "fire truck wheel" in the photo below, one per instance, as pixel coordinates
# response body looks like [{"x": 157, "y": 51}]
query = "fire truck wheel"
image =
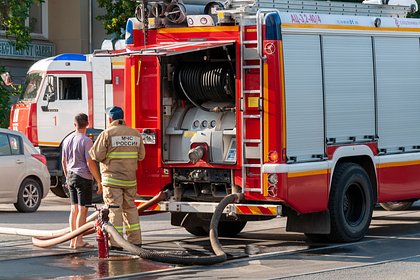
[
  {"x": 350, "y": 203},
  {"x": 315, "y": 237},
  {"x": 197, "y": 231},
  {"x": 230, "y": 229},
  {"x": 396, "y": 205},
  {"x": 225, "y": 229},
  {"x": 29, "y": 196}
]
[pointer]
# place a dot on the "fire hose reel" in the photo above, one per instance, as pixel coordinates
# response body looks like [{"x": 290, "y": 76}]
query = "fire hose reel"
[{"x": 176, "y": 13}]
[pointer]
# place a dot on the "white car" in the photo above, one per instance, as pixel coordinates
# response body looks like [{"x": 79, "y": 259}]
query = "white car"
[{"x": 24, "y": 176}]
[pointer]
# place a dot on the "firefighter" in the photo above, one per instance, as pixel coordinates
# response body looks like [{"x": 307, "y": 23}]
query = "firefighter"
[{"x": 118, "y": 149}]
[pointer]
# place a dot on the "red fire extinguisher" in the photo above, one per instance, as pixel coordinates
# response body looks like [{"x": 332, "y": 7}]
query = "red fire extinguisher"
[{"x": 102, "y": 236}]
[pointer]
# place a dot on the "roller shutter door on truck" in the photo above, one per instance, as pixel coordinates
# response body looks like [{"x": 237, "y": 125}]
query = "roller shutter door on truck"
[
  {"x": 349, "y": 88},
  {"x": 304, "y": 97},
  {"x": 398, "y": 93}
]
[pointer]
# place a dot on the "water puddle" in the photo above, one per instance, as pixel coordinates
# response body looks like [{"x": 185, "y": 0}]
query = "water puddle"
[{"x": 81, "y": 266}]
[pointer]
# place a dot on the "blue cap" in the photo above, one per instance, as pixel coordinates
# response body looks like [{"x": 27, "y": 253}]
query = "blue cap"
[{"x": 115, "y": 113}]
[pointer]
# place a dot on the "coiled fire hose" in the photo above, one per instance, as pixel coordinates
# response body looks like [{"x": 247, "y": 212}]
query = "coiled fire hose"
[{"x": 169, "y": 257}]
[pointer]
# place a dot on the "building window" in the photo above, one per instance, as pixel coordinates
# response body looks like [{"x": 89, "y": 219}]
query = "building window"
[
  {"x": 35, "y": 18},
  {"x": 38, "y": 18}
]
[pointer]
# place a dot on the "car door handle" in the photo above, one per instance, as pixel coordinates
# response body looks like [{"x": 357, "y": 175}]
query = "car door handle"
[{"x": 19, "y": 161}]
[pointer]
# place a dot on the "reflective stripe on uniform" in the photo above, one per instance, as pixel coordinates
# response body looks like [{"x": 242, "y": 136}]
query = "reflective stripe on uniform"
[
  {"x": 118, "y": 182},
  {"x": 119, "y": 228},
  {"x": 122, "y": 155},
  {"x": 133, "y": 227}
]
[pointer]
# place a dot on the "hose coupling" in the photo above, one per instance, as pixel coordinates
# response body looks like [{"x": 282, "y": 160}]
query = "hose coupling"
[{"x": 195, "y": 154}]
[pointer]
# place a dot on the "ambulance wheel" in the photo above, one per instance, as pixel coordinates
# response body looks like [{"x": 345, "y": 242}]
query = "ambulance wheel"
[
  {"x": 59, "y": 190},
  {"x": 396, "y": 205},
  {"x": 350, "y": 203},
  {"x": 96, "y": 198}
]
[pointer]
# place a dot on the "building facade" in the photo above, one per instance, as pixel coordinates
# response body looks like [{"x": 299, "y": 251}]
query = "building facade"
[{"x": 58, "y": 26}]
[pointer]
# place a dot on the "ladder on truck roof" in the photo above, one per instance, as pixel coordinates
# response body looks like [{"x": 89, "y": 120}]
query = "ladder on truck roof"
[
  {"x": 318, "y": 7},
  {"x": 251, "y": 108}
]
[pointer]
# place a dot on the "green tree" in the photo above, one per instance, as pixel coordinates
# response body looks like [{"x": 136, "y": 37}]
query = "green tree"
[
  {"x": 115, "y": 18},
  {"x": 13, "y": 14}
]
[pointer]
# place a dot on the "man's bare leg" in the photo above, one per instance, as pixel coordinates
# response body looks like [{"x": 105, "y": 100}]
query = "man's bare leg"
[
  {"x": 80, "y": 221},
  {"x": 74, "y": 212}
]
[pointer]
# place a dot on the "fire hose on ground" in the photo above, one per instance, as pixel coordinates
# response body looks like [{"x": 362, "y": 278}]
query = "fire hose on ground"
[
  {"x": 60, "y": 236},
  {"x": 49, "y": 234},
  {"x": 168, "y": 257},
  {"x": 42, "y": 234},
  {"x": 87, "y": 228}
]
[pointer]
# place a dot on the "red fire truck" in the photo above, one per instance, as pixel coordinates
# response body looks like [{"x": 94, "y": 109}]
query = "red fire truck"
[{"x": 308, "y": 108}]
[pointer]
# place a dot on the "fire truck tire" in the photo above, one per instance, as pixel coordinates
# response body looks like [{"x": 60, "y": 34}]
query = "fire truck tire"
[
  {"x": 197, "y": 231},
  {"x": 350, "y": 203},
  {"x": 29, "y": 196},
  {"x": 396, "y": 205},
  {"x": 315, "y": 237},
  {"x": 230, "y": 229}
]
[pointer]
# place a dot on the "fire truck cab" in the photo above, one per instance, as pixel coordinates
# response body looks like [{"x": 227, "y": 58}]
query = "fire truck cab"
[{"x": 55, "y": 90}]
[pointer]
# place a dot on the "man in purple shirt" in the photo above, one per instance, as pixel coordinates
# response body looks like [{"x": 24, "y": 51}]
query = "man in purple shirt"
[{"x": 79, "y": 168}]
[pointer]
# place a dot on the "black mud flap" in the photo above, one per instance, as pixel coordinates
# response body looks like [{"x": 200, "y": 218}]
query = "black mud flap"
[{"x": 317, "y": 223}]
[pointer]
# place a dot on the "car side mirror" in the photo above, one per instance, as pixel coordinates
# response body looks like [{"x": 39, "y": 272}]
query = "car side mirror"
[{"x": 7, "y": 79}]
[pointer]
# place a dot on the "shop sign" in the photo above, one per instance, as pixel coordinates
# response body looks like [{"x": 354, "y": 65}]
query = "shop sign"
[{"x": 33, "y": 51}]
